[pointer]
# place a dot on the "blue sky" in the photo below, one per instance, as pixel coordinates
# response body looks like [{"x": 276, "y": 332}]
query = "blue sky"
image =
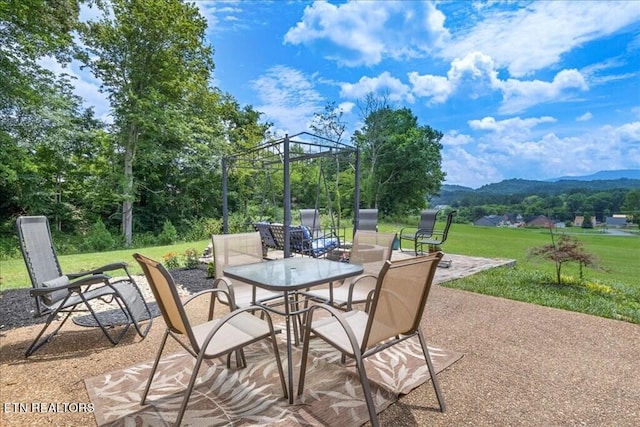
[{"x": 531, "y": 90}]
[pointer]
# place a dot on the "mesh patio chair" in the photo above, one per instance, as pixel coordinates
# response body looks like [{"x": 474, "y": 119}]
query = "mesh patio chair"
[
  {"x": 58, "y": 293},
  {"x": 238, "y": 249},
  {"x": 423, "y": 231},
  {"x": 397, "y": 305},
  {"x": 211, "y": 339},
  {"x": 437, "y": 237},
  {"x": 371, "y": 250},
  {"x": 368, "y": 219}
]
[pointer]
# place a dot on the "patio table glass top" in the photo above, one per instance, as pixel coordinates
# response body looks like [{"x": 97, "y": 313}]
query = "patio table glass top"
[{"x": 292, "y": 274}]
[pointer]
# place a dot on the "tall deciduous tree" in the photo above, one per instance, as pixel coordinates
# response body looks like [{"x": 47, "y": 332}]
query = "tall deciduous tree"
[
  {"x": 401, "y": 160},
  {"x": 151, "y": 59},
  {"x": 631, "y": 206},
  {"x": 29, "y": 31}
]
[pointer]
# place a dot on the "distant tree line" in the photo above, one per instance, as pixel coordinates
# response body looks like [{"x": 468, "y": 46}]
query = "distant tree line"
[{"x": 561, "y": 207}]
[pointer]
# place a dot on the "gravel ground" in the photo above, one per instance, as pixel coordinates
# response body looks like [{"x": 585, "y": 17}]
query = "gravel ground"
[{"x": 523, "y": 365}]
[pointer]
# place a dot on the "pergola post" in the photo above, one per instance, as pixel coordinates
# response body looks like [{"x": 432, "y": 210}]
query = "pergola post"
[
  {"x": 225, "y": 206},
  {"x": 287, "y": 198},
  {"x": 356, "y": 195}
]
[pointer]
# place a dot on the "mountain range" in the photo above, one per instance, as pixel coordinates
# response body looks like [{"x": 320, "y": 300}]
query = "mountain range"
[
  {"x": 600, "y": 181},
  {"x": 602, "y": 175}
]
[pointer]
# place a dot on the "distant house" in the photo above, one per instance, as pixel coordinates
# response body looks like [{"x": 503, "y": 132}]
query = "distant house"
[
  {"x": 616, "y": 222},
  {"x": 506, "y": 220},
  {"x": 540, "y": 221},
  {"x": 579, "y": 220},
  {"x": 489, "y": 221}
]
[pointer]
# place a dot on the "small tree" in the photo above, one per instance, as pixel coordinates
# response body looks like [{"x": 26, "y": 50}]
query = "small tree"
[{"x": 565, "y": 249}]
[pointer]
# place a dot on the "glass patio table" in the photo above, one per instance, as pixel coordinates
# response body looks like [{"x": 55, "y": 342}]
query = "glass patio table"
[{"x": 290, "y": 276}]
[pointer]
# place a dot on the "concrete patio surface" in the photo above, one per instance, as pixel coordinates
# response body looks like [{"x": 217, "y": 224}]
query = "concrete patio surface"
[{"x": 523, "y": 364}]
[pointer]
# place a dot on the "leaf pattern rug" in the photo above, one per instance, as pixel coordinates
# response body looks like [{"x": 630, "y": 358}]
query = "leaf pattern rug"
[{"x": 253, "y": 395}]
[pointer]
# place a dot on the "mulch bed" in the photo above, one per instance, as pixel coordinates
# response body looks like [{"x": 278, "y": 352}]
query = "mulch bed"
[{"x": 18, "y": 308}]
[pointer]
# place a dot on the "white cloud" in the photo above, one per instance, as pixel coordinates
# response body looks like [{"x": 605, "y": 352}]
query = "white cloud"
[
  {"x": 509, "y": 126},
  {"x": 535, "y": 37},
  {"x": 288, "y": 98},
  {"x": 346, "y": 107},
  {"x": 454, "y": 138},
  {"x": 436, "y": 88},
  {"x": 368, "y": 32},
  {"x": 463, "y": 168},
  {"x": 384, "y": 84},
  {"x": 475, "y": 75},
  {"x": 508, "y": 150},
  {"x": 519, "y": 95},
  {"x": 585, "y": 117}
]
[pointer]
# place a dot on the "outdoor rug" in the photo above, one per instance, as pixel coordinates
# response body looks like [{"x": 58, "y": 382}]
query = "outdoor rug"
[{"x": 253, "y": 395}]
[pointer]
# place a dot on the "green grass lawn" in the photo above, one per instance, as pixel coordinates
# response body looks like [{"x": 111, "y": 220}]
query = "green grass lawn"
[{"x": 612, "y": 290}]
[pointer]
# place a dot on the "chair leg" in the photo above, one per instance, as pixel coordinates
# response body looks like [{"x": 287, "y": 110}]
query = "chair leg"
[
  {"x": 366, "y": 388},
  {"x": 305, "y": 353},
  {"x": 276, "y": 352},
  {"x": 192, "y": 382},
  {"x": 432, "y": 371},
  {"x": 119, "y": 336},
  {"x": 153, "y": 369},
  {"x": 37, "y": 343}
]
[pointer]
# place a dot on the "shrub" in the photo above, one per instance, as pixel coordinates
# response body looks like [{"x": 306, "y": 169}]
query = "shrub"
[
  {"x": 203, "y": 228},
  {"x": 144, "y": 240},
  {"x": 98, "y": 238},
  {"x": 169, "y": 234}
]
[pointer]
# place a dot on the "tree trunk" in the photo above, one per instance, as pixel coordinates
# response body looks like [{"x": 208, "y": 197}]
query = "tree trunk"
[{"x": 128, "y": 193}]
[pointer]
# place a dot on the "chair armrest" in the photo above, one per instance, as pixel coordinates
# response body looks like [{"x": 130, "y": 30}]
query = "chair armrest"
[
  {"x": 109, "y": 267},
  {"x": 354, "y": 282},
  {"x": 62, "y": 282},
  {"x": 229, "y": 290},
  {"x": 404, "y": 234},
  {"x": 201, "y": 293}
]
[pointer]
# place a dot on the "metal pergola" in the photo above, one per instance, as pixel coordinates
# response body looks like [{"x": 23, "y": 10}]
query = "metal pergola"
[{"x": 278, "y": 152}]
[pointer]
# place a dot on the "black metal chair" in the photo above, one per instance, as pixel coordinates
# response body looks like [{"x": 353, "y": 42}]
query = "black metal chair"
[
  {"x": 422, "y": 231},
  {"x": 437, "y": 238},
  {"x": 57, "y": 293}
]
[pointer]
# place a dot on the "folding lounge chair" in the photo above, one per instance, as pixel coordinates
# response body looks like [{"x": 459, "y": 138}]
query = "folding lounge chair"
[
  {"x": 397, "y": 306},
  {"x": 423, "y": 231},
  {"x": 57, "y": 293},
  {"x": 371, "y": 250},
  {"x": 208, "y": 340}
]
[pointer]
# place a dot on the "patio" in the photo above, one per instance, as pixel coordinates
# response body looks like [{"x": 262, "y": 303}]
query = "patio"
[{"x": 523, "y": 364}]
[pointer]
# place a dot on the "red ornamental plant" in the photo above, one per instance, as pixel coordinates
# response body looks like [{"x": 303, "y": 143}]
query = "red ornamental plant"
[{"x": 562, "y": 250}]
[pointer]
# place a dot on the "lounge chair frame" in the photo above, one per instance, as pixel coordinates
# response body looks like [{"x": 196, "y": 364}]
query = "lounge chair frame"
[{"x": 56, "y": 293}]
